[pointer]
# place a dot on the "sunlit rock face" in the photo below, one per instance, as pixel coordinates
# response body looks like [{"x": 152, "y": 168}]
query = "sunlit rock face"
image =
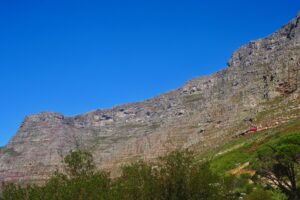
[{"x": 262, "y": 77}]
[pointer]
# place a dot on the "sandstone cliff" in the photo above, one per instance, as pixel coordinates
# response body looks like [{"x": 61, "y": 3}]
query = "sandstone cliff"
[{"x": 261, "y": 82}]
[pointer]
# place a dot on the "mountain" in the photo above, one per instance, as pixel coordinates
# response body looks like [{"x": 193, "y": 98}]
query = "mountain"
[{"x": 259, "y": 85}]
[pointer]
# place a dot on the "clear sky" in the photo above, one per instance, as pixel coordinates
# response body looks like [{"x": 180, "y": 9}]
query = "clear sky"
[{"x": 72, "y": 56}]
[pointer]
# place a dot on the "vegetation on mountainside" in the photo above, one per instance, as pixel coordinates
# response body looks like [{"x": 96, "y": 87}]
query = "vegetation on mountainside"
[
  {"x": 279, "y": 163},
  {"x": 172, "y": 177},
  {"x": 263, "y": 165},
  {"x": 263, "y": 152}
]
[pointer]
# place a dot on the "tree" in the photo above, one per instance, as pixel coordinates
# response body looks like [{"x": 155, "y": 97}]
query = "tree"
[
  {"x": 183, "y": 179},
  {"x": 13, "y": 192},
  {"x": 79, "y": 163},
  {"x": 175, "y": 171},
  {"x": 138, "y": 181},
  {"x": 259, "y": 194},
  {"x": 83, "y": 182},
  {"x": 279, "y": 161}
]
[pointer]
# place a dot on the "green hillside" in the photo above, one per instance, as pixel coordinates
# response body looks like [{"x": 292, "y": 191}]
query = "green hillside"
[{"x": 244, "y": 148}]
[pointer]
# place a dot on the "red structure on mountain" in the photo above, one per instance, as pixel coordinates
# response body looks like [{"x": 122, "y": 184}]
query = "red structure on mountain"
[{"x": 253, "y": 128}]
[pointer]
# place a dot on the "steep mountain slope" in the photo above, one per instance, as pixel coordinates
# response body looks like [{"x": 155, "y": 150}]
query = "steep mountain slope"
[
  {"x": 239, "y": 156},
  {"x": 261, "y": 83}
]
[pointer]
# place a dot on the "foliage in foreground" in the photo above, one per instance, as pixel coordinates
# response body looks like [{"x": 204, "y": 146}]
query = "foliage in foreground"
[
  {"x": 279, "y": 164},
  {"x": 173, "y": 177}
]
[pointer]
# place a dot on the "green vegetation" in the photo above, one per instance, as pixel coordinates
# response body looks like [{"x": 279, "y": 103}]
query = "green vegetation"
[
  {"x": 79, "y": 163},
  {"x": 279, "y": 163},
  {"x": 272, "y": 155},
  {"x": 174, "y": 177},
  {"x": 263, "y": 165}
]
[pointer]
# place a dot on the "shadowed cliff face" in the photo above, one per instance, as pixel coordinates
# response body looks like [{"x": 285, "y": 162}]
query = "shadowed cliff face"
[{"x": 261, "y": 83}]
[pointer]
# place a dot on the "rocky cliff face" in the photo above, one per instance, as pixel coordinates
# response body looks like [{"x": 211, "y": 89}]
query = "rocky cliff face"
[{"x": 260, "y": 83}]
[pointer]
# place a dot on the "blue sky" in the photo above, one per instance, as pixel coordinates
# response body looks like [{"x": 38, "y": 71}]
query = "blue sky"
[{"x": 73, "y": 56}]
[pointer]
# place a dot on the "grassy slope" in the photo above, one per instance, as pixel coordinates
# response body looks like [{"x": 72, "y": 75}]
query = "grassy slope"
[{"x": 243, "y": 149}]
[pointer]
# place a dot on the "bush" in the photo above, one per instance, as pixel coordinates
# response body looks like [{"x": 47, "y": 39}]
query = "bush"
[{"x": 259, "y": 194}]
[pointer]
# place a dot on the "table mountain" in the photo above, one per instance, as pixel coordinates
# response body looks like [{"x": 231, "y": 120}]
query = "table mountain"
[{"x": 259, "y": 85}]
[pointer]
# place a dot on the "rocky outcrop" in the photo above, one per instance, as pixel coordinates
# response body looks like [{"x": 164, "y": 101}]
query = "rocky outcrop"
[{"x": 261, "y": 77}]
